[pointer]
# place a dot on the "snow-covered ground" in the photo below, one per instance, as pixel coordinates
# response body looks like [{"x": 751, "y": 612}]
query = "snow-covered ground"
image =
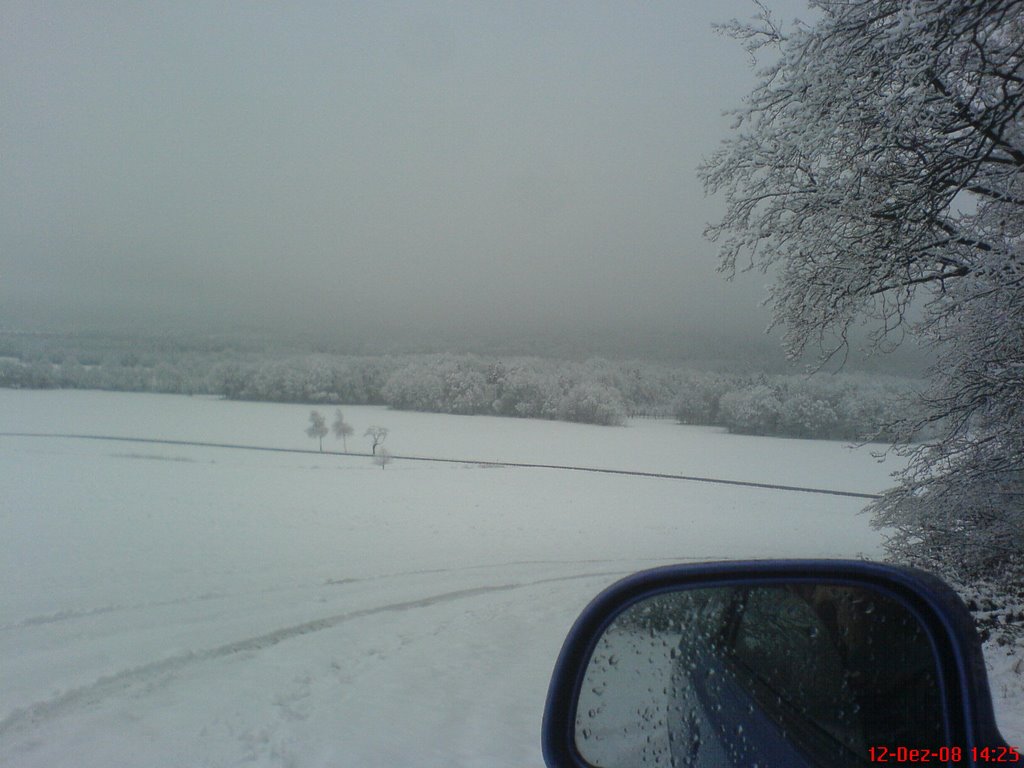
[{"x": 185, "y": 606}]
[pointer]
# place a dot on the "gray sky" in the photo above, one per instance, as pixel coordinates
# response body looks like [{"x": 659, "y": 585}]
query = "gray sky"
[{"x": 422, "y": 165}]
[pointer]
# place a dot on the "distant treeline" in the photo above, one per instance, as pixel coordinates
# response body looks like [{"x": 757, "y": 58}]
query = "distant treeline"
[{"x": 598, "y": 391}]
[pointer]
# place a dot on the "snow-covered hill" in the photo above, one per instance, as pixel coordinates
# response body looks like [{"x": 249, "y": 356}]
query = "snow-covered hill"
[{"x": 185, "y": 606}]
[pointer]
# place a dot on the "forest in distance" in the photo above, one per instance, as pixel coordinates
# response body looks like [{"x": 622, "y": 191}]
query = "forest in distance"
[{"x": 838, "y": 406}]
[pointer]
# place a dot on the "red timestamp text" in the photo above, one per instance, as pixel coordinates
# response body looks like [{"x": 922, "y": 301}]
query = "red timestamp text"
[{"x": 902, "y": 755}]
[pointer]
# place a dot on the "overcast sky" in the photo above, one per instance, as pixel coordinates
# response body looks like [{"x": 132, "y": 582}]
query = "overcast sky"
[{"x": 421, "y": 165}]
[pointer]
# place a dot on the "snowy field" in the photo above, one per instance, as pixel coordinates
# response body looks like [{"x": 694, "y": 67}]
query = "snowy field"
[{"x": 185, "y": 606}]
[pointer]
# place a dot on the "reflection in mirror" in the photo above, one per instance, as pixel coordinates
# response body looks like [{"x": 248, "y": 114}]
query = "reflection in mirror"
[{"x": 784, "y": 675}]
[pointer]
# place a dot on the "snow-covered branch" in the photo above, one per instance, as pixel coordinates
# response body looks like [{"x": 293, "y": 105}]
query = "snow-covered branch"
[{"x": 878, "y": 167}]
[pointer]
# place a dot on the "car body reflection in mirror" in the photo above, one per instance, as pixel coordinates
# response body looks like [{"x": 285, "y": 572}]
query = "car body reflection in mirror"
[
  {"x": 789, "y": 663},
  {"x": 755, "y": 663}
]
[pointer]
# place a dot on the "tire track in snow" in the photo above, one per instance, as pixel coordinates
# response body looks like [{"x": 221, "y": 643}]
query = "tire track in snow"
[
  {"x": 71, "y": 614},
  {"x": 44, "y": 711}
]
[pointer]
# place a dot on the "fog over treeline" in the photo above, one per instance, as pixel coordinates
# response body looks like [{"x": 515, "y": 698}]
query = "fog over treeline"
[
  {"x": 595, "y": 391},
  {"x": 516, "y": 178}
]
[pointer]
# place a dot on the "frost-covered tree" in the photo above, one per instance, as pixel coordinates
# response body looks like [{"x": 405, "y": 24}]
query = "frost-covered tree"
[
  {"x": 342, "y": 429},
  {"x": 751, "y": 411},
  {"x": 803, "y": 415},
  {"x": 592, "y": 403},
  {"x": 699, "y": 397},
  {"x": 317, "y": 428},
  {"x": 877, "y": 171},
  {"x": 382, "y": 457},
  {"x": 377, "y": 436}
]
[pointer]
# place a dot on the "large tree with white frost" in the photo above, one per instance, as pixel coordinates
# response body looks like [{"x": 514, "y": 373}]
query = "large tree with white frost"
[{"x": 877, "y": 172}]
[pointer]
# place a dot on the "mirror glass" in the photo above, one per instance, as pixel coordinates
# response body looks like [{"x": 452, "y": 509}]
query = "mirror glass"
[{"x": 782, "y": 675}]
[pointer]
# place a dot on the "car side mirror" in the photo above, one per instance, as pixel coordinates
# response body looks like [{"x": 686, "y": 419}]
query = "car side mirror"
[{"x": 790, "y": 663}]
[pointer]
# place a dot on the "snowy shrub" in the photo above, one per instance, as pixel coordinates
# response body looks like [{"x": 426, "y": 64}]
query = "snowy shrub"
[
  {"x": 648, "y": 390},
  {"x": 593, "y": 404},
  {"x": 527, "y": 392},
  {"x": 414, "y": 387},
  {"x": 466, "y": 391},
  {"x": 442, "y": 384},
  {"x": 699, "y": 397},
  {"x": 16, "y": 375},
  {"x": 802, "y": 415},
  {"x": 751, "y": 411}
]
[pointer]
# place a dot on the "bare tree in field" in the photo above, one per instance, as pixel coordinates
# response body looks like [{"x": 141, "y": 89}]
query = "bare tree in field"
[
  {"x": 317, "y": 427},
  {"x": 342, "y": 429},
  {"x": 383, "y": 457},
  {"x": 878, "y": 168},
  {"x": 377, "y": 435}
]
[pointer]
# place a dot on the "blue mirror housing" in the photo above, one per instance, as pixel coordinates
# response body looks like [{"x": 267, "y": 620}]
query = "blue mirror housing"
[{"x": 942, "y": 624}]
